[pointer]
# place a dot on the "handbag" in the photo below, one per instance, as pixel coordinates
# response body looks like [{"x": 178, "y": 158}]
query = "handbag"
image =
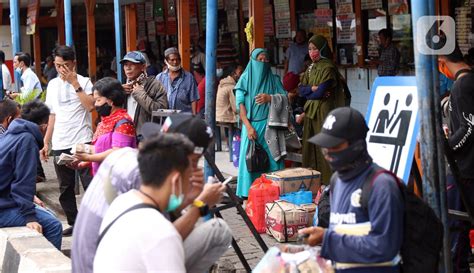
[
  {"x": 292, "y": 141},
  {"x": 256, "y": 158}
]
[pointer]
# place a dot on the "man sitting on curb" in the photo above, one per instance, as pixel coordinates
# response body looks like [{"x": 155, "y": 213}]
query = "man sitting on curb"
[
  {"x": 9, "y": 110},
  {"x": 19, "y": 149},
  {"x": 203, "y": 243}
]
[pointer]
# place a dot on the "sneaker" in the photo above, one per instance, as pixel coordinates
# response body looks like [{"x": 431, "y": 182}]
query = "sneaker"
[{"x": 68, "y": 232}]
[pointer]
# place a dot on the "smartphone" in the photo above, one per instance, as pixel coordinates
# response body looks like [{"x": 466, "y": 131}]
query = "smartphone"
[{"x": 227, "y": 180}]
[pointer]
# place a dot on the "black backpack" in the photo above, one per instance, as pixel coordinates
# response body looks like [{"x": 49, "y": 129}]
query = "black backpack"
[{"x": 422, "y": 230}]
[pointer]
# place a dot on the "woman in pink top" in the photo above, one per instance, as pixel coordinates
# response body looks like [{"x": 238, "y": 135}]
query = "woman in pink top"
[{"x": 116, "y": 129}]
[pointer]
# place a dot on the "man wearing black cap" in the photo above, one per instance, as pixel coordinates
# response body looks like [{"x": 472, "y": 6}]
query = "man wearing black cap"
[
  {"x": 203, "y": 243},
  {"x": 358, "y": 239},
  {"x": 179, "y": 84},
  {"x": 145, "y": 94}
]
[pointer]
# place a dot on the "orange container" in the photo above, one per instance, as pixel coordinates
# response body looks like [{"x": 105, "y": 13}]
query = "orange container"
[{"x": 261, "y": 192}]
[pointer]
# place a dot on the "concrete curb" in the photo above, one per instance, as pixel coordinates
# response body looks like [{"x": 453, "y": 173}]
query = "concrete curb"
[{"x": 24, "y": 250}]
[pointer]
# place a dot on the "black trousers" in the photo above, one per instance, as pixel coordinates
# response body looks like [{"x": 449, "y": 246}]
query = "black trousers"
[{"x": 67, "y": 182}]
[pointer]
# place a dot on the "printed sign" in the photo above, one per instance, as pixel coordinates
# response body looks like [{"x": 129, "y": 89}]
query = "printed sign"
[
  {"x": 371, "y": 4},
  {"x": 31, "y": 16},
  {"x": 346, "y": 26},
  {"x": 392, "y": 118},
  {"x": 283, "y": 29},
  {"x": 268, "y": 21}
]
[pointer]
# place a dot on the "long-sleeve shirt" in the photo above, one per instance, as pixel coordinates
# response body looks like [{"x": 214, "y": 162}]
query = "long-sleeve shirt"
[
  {"x": 383, "y": 223},
  {"x": 461, "y": 114},
  {"x": 30, "y": 83},
  {"x": 19, "y": 148}
]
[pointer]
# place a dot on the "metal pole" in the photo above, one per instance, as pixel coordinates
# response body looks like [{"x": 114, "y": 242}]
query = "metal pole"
[
  {"x": 68, "y": 22},
  {"x": 211, "y": 42},
  {"x": 118, "y": 38},
  {"x": 440, "y": 157},
  {"x": 432, "y": 155},
  {"x": 15, "y": 29}
]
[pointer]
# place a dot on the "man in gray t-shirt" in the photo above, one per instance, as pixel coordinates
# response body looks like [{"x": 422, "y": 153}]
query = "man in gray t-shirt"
[
  {"x": 296, "y": 53},
  {"x": 49, "y": 71}
]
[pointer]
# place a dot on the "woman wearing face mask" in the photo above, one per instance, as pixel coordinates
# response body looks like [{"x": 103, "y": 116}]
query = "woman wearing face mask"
[
  {"x": 320, "y": 85},
  {"x": 253, "y": 97},
  {"x": 116, "y": 129}
]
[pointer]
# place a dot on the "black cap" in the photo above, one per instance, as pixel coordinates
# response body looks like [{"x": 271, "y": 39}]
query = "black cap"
[
  {"x": 191, "y": 126},
  {"x": 341, "y": 124}
]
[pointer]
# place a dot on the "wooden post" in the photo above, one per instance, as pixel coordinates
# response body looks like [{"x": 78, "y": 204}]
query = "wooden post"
[
  {"x": 37, "y": 52},
  {"x": 1, "y": 12},
  {"x": 131, "y": 27},
  {"x": 91, "y": 42},
  {"x": 360, "y": 43},
  {"x": 445, "y": 8},
  {"x": 37, "y": 43},
  {"x": 242, "y": 35},
  {"x": 256, "y": 11},
  {"x": 60, "y": 21},
  {"x": 184, "y": 40}
]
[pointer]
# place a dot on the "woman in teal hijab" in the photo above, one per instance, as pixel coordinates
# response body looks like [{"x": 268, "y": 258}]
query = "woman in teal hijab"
[{"x": 253, "y": 97}]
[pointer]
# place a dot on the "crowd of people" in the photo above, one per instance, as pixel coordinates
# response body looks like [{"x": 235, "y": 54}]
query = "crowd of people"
[{"x": 143, "y": 177}]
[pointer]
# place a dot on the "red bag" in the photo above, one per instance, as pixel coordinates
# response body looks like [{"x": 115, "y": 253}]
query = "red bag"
[{"x": 261, "y": 192}]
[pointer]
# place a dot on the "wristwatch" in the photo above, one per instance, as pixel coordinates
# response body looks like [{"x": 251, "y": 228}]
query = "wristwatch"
[
  {"x": 203, "y": 207},
  {"x": 79, "y": 89}
]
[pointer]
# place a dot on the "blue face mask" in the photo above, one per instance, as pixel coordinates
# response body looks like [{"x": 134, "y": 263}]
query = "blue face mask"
[{"x": 175, "y": 201}]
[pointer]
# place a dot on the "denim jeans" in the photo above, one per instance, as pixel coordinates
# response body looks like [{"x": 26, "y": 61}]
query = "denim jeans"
[{"x": 52, "y": 228}]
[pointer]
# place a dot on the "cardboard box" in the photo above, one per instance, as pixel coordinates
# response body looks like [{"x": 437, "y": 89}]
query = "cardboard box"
[
  {"x": 283, "y": 220},
  {"x": 82, "y": 148},
  {"x": 295, "y": 179},
  {"x": 311, "y": 210}
]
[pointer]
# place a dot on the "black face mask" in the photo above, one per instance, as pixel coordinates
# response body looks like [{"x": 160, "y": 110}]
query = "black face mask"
[
  {"x": 350, "y": 161},
  {"x": 104, "y": 110}
]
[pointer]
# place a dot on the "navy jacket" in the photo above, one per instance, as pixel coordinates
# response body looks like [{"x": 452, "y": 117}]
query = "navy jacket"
[
  {"x": 385, "y": 215},
  {"x": 19, "y": 151}
]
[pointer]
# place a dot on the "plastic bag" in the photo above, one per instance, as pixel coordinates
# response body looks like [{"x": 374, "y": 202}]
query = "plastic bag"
[
  {"x": 261, "y": 192},
  {"x": 236, "y": 150},
  {"x": 287, "y": 258}
]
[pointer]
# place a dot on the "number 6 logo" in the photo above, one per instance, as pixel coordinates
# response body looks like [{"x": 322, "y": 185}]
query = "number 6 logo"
[{"x": 435, "y": 35}]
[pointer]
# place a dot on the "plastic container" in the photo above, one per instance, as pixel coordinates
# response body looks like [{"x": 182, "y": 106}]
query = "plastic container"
[{"x": 298, "y": 198}]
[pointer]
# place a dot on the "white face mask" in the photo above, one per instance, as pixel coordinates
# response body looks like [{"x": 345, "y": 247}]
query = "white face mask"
[
  {"x": 172, "y": 67},
  {"x": 219, "y": 72}
]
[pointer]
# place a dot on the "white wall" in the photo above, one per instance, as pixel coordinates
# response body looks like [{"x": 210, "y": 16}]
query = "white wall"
[
  {"x": 6, "y": 41},
  {"x": 360, "y": 82}
]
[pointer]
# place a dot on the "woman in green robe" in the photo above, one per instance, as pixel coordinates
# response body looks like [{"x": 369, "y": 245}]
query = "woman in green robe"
[
  {"x": 253, "y": 97},
  {"x": 320, "y": 84}
]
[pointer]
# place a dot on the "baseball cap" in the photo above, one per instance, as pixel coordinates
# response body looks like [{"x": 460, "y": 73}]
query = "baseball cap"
[
  {"x": 341, "y": 124},
  {"x": 134, "y": 57},
  {"x": 191, "y": 126}
]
